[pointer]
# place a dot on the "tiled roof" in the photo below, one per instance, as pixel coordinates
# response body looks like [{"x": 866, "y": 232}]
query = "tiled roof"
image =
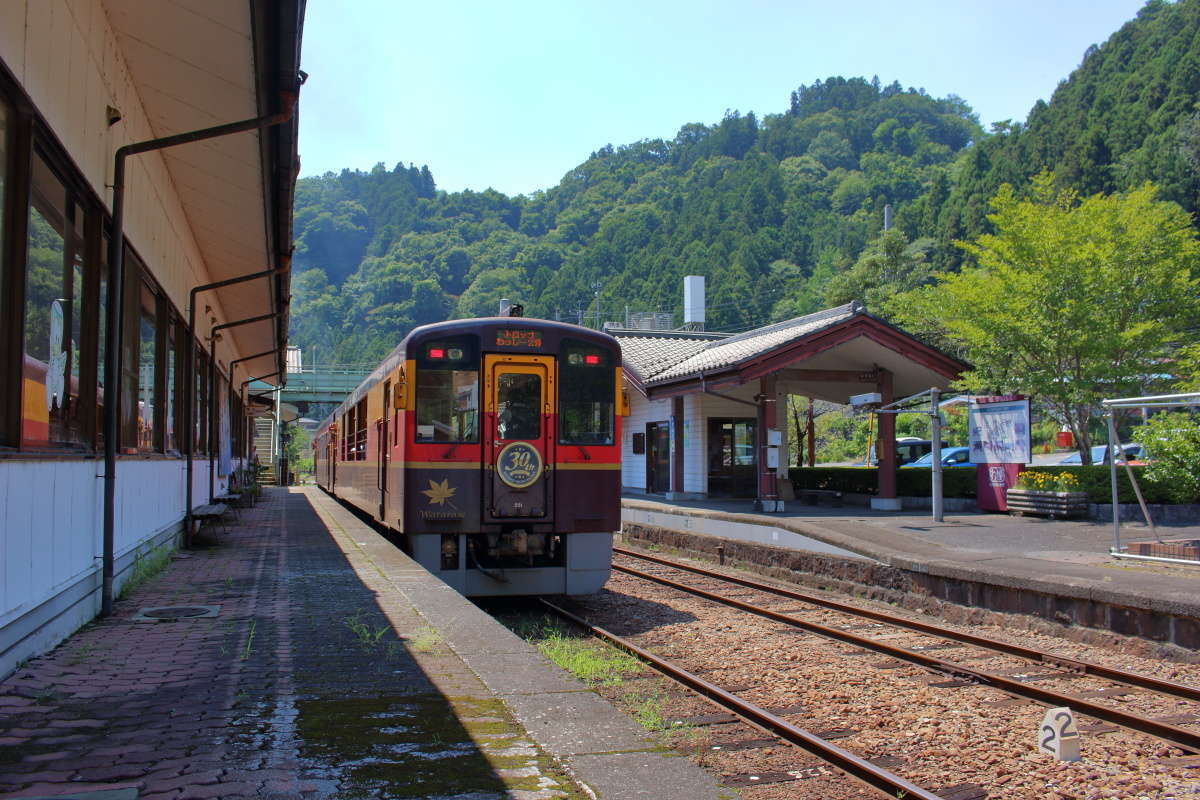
[
  {"x": 650, "y": 352},
  {"x": 661, "y": 356}
]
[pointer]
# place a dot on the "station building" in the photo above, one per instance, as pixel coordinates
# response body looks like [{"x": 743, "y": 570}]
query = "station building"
[
  {"x": 707, "y": 410},
  {"x": 94, "y": 439}
]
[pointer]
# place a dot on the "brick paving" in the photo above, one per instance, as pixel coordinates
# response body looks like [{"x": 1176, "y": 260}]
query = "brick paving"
[{"x": 314, "y": 680}]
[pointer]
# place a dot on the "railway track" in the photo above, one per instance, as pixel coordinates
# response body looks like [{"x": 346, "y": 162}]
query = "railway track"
[
  {"x": 862, "y": 770},
  {"x": 954, "y": 669},
  {"x": 902, "y": 726}
]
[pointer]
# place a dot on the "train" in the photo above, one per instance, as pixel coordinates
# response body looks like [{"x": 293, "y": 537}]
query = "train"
[{"x": 489, "y": 449}]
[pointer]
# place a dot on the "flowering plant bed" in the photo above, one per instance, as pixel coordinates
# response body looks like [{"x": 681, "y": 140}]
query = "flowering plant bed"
[{"x": 1047, "y": 494}]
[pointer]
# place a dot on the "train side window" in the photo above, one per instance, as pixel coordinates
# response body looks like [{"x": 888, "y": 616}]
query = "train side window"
[
  {"x": 360, "y": 431},
  {"x": 586, "y": 395},
  {"x": 447, "y": 405}
]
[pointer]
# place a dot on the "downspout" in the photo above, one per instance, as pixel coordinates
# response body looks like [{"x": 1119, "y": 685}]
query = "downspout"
[
  {"x": 249, "y": 381},
  {"x": 112, "y": 334},
  {"x": 189, "y": 377},
  {"x": 213, "y": 426}
]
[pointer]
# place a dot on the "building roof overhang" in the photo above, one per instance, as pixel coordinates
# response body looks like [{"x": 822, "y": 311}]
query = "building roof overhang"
[
  {"x": 199, "y": 63},
  {"x": 831, "y": 355}
]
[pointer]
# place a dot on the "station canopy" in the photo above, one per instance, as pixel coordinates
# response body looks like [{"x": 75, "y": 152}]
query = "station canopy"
[{"x": 828, "y": 355}]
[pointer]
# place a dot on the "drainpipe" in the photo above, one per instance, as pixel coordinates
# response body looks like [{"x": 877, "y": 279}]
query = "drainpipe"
[
  {"x": 189, "y": 378},
  {"x": 213, "y": 427},
  {"x": 112, "y": 335}
]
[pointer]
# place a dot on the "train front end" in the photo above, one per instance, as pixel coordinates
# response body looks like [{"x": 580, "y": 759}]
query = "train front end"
[{"x": 510, "y": 473}]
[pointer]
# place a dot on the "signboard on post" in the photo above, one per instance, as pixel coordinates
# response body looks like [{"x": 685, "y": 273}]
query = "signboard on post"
[
  {"x": 998, "y": 430},
  {"x": 998, "y": 435}
]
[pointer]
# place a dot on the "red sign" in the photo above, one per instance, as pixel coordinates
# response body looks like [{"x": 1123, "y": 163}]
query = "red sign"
[{"x": 518, "y": 337}]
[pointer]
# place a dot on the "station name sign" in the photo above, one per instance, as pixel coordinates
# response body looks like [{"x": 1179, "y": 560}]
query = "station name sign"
[{"x": 518, "y": 337}]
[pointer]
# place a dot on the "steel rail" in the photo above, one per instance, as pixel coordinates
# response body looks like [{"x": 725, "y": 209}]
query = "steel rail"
[
  {"x": 856, "y": 767},
  {"x": 1181, "y": 690},
  {"x": 1180, "y": 737}
]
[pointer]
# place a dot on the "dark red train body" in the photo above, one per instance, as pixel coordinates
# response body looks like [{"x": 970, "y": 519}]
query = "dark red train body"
[{"x": 493, "y": 446}]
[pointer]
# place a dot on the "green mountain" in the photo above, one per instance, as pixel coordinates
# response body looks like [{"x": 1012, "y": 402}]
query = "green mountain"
[{"x": 782, "y": 215}]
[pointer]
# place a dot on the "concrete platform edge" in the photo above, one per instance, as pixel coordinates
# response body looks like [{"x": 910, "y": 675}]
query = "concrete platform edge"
[
  {"x": 591, "y": 739},
  {"x": 1181, "y": 605}
]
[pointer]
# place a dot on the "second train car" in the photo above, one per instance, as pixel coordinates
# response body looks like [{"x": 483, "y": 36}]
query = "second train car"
[{"x": 493, "y": 446}]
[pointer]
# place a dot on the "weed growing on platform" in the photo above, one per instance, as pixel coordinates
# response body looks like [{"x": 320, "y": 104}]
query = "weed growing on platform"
[
  {"x": 82, "y": 653},
  {"x": 147, "y": 564},
  {"x": 367, "y": 637},
  {"x": 249, "y": 648},
  {"x": 588, "y": 659},
  {"x": 426, "y": 640},
  {"x": 647, "y": 710}
]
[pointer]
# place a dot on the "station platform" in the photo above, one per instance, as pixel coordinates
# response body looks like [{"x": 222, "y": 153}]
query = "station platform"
[
  {"x": 320, "y": 662},
  {"x": 1060, "y": 570}
]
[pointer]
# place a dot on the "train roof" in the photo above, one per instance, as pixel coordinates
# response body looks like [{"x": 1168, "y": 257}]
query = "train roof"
[{"x": 460, "y": 327}]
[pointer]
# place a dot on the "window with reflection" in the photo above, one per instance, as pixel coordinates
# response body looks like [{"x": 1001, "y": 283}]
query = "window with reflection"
[
  {"x": 518, "y": 406},
  {"x": 53, "y": 314},
  {"x": 147, "y": 363},
  {"x": 5, "y": 127},
  {"x": 200, "y": 386},
  {"x": 172, "y": 376},
  {"x": 447, "y": 390},
  {"x": 447, "y": 405},
  {"x": 101, "y": 334},
  {"x": 587, "y": 390}
]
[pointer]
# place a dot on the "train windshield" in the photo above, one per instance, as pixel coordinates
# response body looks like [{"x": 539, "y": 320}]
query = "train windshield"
[
  {"x": 447, "y": 392},
  {"x": 586, "y": 395},
  {"x": 519, "y": 401}
]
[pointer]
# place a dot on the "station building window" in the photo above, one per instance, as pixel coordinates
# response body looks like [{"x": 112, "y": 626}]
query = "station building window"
[
  {"x": 101, "y": 329},
  {"x": 54, "y": 285},
  {"x": 51, "y": 394},
  {"x": 5, "y": 132},
  {"x": 172, "y": 377},
  {"x": 200, "y": 434}
]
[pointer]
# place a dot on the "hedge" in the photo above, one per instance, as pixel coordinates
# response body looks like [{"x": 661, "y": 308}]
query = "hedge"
[
  {"x": 960, "y": 481},
  {"x": 956, "y": 482}
]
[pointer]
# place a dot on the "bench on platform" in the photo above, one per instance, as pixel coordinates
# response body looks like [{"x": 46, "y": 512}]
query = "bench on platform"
[
  {"x": 811, "y": 496},
  {"x": 231, "y": 499},
  {"x": 210, "y": 513}
]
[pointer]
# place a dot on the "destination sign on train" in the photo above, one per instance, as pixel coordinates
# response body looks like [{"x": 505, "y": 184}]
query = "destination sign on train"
[{"x": 518, "y": 337}]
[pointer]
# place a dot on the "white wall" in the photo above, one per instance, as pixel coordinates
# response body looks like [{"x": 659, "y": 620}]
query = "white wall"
[
  {"x": 51, "y": 531},
  {"x": 641, "y": 411},
  {"x": 697, "y": 409}
]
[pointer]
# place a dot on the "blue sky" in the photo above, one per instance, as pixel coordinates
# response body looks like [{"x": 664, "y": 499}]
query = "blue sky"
[{"x": 513, "y": 95}]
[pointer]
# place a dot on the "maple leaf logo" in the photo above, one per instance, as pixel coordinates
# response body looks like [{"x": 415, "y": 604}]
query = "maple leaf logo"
[{"x": 440, "y": 493}]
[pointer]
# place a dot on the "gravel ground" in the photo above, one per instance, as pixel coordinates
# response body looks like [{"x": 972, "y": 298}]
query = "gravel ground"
[{"x": 958, "y": 741}]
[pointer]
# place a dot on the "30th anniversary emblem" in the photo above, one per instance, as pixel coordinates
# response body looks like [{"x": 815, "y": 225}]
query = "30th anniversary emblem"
[{"x": 519, "y": 465}]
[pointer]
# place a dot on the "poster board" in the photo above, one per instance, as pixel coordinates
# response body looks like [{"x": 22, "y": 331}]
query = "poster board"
[{"x": 998, "y": 430}]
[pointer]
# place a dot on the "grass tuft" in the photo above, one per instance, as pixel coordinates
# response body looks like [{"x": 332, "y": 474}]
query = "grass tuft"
[
  {"x": 146, "y": 564},
  {"x": 586, "y": 658}
]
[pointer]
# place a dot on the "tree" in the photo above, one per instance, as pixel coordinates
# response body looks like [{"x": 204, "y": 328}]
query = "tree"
[
  {"x": 890, "y": 265},
  {"x": 1070, "y": 300}
]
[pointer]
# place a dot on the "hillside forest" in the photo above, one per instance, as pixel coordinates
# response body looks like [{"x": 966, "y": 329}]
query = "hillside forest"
[{"x": 783, "y": 214}]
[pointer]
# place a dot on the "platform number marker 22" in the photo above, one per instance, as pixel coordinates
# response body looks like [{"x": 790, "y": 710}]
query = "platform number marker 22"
[{"x": 1058, "y": 735}]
